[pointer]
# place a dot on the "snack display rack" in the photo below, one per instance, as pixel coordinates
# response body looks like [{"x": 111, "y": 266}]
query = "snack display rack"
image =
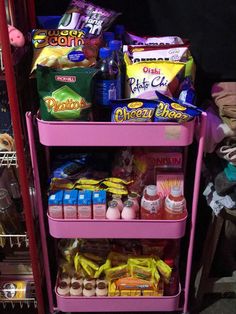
[
  {"x": 17, "y": 158},
  {"x": 124, "y": 134}
]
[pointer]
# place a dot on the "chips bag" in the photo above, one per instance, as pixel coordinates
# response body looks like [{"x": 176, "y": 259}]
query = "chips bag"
[
  {"x": 65, "y": 94},
  {"x": 63, "y": 49},
  {"x": 153, "y": 41},
  {"x": 81, "y": 13},
  {"x": 144, "y": 78}
]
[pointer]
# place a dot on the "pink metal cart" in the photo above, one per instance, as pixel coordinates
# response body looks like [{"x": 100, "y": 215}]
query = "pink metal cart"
[{"x": 113, "y": 134}]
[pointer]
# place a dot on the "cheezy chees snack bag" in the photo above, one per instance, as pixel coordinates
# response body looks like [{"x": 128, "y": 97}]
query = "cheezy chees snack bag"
[{"x": 65, "y": 94}]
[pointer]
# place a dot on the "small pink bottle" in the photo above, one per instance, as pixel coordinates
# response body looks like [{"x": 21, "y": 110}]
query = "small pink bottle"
[
  {"x": 117, "y": 198},
  {"x": 134, "y": 198},
  {"x": 113, "y": 211},
  {"x": 128, "y": 211}
]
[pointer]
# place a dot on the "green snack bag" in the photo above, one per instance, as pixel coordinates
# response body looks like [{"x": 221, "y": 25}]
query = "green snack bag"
[{"x": 65, "y": 94}]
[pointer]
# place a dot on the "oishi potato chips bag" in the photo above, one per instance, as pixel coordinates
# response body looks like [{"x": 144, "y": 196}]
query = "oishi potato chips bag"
[
  {"x": 81, "y": 13},
  {"x": 62, "y": 49},
  {"x": 144, "y": 78},
  {"x": 153, "y": 41},
  {"x": 65, "y": 94}
]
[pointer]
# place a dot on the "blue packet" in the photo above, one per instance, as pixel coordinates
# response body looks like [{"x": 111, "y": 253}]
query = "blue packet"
[
  {"x": 133, "y": 110},
  {"x": 173, "y": 110},
  {"x": 187, "y": 93}
]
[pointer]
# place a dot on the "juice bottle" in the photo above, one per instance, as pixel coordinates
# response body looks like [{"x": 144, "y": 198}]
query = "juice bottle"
[
  {"x": 134, "y": 198},
  {"x": 113, "y": 211},
  {"x": 118, "y": 200},
  {"x": 172, "y": 286},
  {"x": 151, "y": 204},
  {"x": 175, "y": 204}
]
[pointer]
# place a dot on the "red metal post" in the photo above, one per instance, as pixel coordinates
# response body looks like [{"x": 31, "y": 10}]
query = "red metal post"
[{"x": 17, "y": 128}]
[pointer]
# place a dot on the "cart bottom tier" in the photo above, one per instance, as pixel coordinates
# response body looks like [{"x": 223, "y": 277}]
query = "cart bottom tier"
[{"x": 118, "y": 304}]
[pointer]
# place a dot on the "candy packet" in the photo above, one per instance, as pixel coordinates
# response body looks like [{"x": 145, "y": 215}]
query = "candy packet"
[
  {"x": 155, "y": 53},
  {"x": 144, "y": 78},
  {"x": 133, "y": 110},
  {"x": 81, "y": 13},
  {"x": 172, "y": 110},
  {"x": 153, "y": 41},
  {"x": 63, "y": 49},
  {"x": 65, "y": 94}
]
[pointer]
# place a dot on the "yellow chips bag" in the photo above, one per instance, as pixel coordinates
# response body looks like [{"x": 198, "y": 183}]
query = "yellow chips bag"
[{"x": 144, "y": 78}]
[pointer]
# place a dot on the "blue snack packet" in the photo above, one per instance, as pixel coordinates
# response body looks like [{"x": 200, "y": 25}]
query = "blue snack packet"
[
  {"x": 133, "y": 110},
  {"x": 173, "y": 110}
]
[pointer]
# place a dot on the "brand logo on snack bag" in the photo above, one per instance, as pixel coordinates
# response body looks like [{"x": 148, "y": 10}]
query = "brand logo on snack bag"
[
  {"x": 135, "y": 104},
  {"x": 57, "y": 38},
  {"x": 68, "y": 79},
  {"x": 65, "y": 99}
]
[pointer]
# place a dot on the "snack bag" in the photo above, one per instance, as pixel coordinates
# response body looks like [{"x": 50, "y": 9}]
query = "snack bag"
[
  {"x": 144, "y": 78},
  {"x": 153, "y": 41},
  {"x": 62, "y": 49},
  {"x": 65, "y": 94},
  {"x": 155, "y": 53},
  {"x": 172, "y": 110},
  {"x": 133, "y": 110},
  {"x": 81, "y": 13}
]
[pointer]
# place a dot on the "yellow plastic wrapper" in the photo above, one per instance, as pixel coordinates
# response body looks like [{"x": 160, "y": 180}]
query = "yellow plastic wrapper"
[
  {"x": 112, "y": 290},
  {"x": 117, "y": 272},
  {"x": 144, "y": 78},
  {"x": 117, "y": 191},
  {"x": 164, "y": 269},
  {"x": 113, "y": 184},
  {"x": 118, "y": 180},
  {"x": 102, "y": 268},
  {"x": 62, "y": 49},
  {"x": 88, "y": 181},
  {"x": 61, "y": 184},
  {"x": 89, "y": 187},
  {"x": 145, "y": 262}
]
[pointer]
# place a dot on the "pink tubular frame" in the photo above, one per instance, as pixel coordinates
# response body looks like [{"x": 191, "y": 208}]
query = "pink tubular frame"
[
  {"x": 23, "y": 178},
  {"x": 75, "y": 303}
]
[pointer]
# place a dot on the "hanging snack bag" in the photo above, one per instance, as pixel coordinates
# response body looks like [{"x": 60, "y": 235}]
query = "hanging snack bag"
[
  {"x": 63, "y": 49},
  {"x": 153, "y": 41},
  {"x": 172, "y": 110},
  {"x": 155, "y": 53},
  {"x": 144, "y": 78},
  {"x": 81, "y": 14},
  {"x": 65, "y": 94}
]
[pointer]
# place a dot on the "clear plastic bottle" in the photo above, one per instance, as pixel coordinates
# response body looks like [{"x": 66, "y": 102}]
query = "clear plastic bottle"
[
  {"x": 175, "y": 204},
  {"x": 118, "y": 59},
  {"x": 151, "y": 204},
  {"x": 105, "y": 85}
]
